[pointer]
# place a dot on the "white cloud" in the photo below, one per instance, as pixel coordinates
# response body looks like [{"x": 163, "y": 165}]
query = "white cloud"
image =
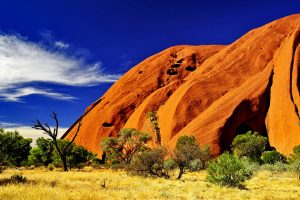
[
  {"x": 15, "y": 95},
  {"x": 8, "y": 124},
  {"x": 61, "y": 44},
  {"x": 28, "y": 132},
  {"x": 23, "y": 62}
]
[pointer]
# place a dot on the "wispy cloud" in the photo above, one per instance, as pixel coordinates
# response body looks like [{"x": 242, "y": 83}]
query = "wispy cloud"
[
  {"x": 23, "y": 62},
  {"x": 61, "y": 44},
  {"x": 9, "y": 125},
  {"x": 16, "y": 94},
  {"x": 28, "y": 132}
]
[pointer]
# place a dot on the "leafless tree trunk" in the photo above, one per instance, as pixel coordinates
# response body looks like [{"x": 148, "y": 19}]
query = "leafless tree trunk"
[{"x": 62, "y": 151}]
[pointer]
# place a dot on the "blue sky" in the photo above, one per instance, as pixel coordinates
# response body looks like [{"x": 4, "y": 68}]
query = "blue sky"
[{"x": 63, "y": 55}]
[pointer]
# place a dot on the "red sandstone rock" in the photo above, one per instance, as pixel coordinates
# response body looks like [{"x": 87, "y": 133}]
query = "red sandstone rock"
[{"x": 212, "y": 92}]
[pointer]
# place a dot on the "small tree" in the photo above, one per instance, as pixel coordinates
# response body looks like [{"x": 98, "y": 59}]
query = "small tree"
[
  {"x": 149, "y": 162},
  {"x": 228, "y": 170},
  {"x": 122, "y": 148},
  {"x": 79, "y": 155},
  {"x": 186, "y": 151},
  {"x": 152, "y": 117},
  {"x": 62, "y": 151},
  {"x": 42, "y": 154},
  {"x": 271, "y": 157},
  {"x": 14, "y": 149},
  {"x": 250, "y": 144}
]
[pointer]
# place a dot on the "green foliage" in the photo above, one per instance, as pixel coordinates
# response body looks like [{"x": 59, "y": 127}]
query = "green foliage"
[
  {"x": 294, "y": 161},
  {"x": 14, "y": 149},
  {"x": 188, "y": 154},
  {"x": 122, "y": 148},
  {"x": 79, "y": 155},
  {"x": 76, "y": 155},
  {"x": 271, "y": 157},
  {"x": 169, "y": 164},
  {"x": 250, "y": 144},
  {"x": 228, "y": 170},
  {"x": 296, "y": 149},
  {"x": 45, "y": 154},
  {"x": 51, "y": 167},
  {"x": 42, "y": 154},
  {"x": 294, "y": 167},
  {"x": 152, "y": 116},
  {"x": 250, "y": 164},
  {"x": 150, "y": 163},
  {"x": 276, "y": 167}
]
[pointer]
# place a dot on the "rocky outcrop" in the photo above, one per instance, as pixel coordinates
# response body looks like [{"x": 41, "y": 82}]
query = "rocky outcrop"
[{"x": 212, "y": 92}]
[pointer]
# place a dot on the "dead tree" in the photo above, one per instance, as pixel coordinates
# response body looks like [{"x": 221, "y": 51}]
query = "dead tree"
[{"x": 62, "y": 151}]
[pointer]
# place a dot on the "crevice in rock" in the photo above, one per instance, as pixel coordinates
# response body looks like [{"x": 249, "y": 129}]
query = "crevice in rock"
[
  {"x": 107, "y": 124},
  {"x": 175, "y": 65},
  {"x": 172, "y": 72},
  {"x": 190, "y": 68},
  {"x": 295, "y": 45},
  {"x": 248, "y": 115}
]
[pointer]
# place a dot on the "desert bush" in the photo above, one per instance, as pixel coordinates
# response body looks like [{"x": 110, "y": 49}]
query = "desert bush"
[
  {"x": 276, "y": 167},
  {"x": 294, "y": 167},
  {"x": 14, "y": 149},
  {"x": 251, "y": 165},
  {"x": 294, "y": 161},
  {"x": 195, "y": 165},
  {"x": 18, "y": 178},
  {"x": 122, "y": 148},
  {"x": 296, "y": 149},
  {"x": 228, "y": 170},
  {"x": 250, "y": 144},
  {"x": 87, "y": 169},
  {"x": 189, "y": 155},
  {"x": 271, "y": 157},
  {"x": 51, "y": 167},
  {"x": 77, "y": 156},
  {"x": 14, "y": 179},
  {"x": 169, "y": 165},
  {"x": 43, "y": 152},
  {"x": 150, "y": 162}
]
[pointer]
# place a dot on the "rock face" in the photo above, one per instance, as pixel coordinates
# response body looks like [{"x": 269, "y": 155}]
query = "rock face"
[{"x": 212, "y": 92}]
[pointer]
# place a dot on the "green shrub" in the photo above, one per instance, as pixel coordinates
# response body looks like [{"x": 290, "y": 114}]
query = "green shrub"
[
  {"x": 296, "y": 149},
  {"x": 77, "y": 156},
  {"x": 294, "y": 161},
  {"x": 271, "y": 157},
  {"x": 189, "y": 155},
  {"x": 276, "y": 167},
  {"x": 14, "y": 148},
  {"x": 228, "y": 170},
  {"x": 251, "y": 165},
  {"x": 51, "y": 167},
  {"x": 169, "y": 165},
  {"x": 149, "y": 163},
  {"x": 294, "y": 167},
  {"x": 122, "y": 148},
  {"x": 42, "y": 154},
  {"x": 250, "y": 144}
]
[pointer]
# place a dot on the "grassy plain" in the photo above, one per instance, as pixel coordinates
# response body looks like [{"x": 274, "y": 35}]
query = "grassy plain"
[{"x": 88, "y": 185}]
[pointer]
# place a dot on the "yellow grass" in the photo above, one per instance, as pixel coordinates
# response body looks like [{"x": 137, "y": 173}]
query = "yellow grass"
[{"x": 87, "y": 186}]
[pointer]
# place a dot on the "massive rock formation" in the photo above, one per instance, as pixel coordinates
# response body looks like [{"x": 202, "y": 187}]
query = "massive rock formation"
[{"x": 212, "y": 92}]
